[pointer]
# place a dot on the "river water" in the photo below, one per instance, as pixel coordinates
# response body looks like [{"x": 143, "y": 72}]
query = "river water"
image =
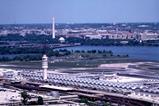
[{"x": 137, "y": 52}]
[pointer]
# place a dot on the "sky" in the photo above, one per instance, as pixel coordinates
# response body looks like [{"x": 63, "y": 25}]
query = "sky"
[{"x": 78, "y": 11}]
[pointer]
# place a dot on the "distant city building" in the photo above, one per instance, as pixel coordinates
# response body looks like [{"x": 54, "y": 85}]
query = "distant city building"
[
  {"x": 95, "y": 31},
  {"x": 94, "y": 36},
  {"x": 149, "y": 36}
]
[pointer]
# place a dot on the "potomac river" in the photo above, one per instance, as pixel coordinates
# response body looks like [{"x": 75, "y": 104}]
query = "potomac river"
[{"x": 138, "y": 52}]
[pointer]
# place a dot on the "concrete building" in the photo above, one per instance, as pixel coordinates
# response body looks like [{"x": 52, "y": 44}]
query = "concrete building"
[
  {"x": 94, "y": 36},
  {"x": 149, "y": 36}
]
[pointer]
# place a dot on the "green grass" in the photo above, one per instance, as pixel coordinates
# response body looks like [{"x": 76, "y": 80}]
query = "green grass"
[{"x": 67, "y": 63}]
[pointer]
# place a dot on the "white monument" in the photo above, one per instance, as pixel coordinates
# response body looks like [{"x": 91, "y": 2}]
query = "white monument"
[{"x": 53, "y": 28}]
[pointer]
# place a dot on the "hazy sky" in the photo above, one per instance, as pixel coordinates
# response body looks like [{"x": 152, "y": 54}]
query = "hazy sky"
[{"x": 78, "y": 11}]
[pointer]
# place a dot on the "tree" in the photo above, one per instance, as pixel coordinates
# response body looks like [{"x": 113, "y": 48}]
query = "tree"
[
  {"x": 25, "y": 97},
  {"x": 84, "y": 100},
  {"x": 40, "y": 100}
]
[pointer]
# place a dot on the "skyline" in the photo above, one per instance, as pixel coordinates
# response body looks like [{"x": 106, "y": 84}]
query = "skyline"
[{"x": 83, "y": 11}]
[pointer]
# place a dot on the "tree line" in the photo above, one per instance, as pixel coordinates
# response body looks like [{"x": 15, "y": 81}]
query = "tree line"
[
  {"x": 29, "y": 54},
  {"x": 47, "y": 39}
]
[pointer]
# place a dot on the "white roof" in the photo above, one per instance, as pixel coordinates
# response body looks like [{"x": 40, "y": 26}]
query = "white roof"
[
  {"x": 44, "y": 56},
  {"x": 62, "y": 39},
  {"x": 57, "y": 87}
]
